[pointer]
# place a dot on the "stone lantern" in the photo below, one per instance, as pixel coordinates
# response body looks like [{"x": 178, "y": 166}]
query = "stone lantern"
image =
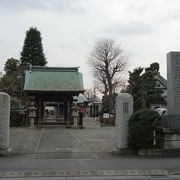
[
  {"x": 75, "y": 115},
  {"x": 32, "y": 114}
]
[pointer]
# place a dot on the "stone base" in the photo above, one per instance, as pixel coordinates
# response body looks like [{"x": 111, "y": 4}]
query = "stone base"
[
  {"x": 32, "y": 122},
  {"x": 5, "y": 152},
  {"x": 149, "y": 152},
  {"x": 124, "y": 151},
  {"x": 68, "y": 126},
  {"x": 171, "y": 139},
  {"x": 171, "y": 152},
  {"x": 171, "y": 121},
  {"x": 76, "y": 127}
]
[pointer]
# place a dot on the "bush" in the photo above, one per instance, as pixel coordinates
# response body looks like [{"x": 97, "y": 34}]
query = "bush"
[
  {"x": 141, "y": 126},
  {"x": 17, "y": 119}
]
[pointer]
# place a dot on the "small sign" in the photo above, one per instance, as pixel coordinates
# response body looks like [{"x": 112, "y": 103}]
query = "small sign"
[
  {"x": 106, "y": 115},
  {"x": 22, "y": 112},
  {"x": 125, "y": 107}
]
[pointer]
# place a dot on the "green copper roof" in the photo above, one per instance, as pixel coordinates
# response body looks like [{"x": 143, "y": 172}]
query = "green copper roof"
[{"x": 53, "y": 79}]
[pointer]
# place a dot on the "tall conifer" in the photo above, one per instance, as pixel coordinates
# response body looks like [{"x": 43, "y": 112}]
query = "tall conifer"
[{"x": 32, "y": 53}]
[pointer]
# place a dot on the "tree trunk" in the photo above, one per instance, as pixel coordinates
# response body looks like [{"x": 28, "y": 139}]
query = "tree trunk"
[{"x": 111, "y": 106}]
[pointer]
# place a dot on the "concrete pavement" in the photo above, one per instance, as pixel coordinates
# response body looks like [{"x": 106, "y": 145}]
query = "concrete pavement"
[
  {"x": 59, "y": 151},
  {"x": 23, "y": 140}
]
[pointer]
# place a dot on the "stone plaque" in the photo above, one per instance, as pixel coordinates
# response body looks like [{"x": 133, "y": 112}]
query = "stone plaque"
[{"x": 125, "y": 107}]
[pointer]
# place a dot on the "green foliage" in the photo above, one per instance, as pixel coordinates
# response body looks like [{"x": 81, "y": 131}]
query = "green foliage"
[
  {"x": 12, "y": 66},
  {"x": 151, "y": 94},
  {"x": 142, "y": 86},
  {"x": 16, "y": 119},
  {"x": 15, "y": 102},
  {"x": 141, "y": 126},
  {"x": 135, "y": 87},
  {"x": 32, "y": 53},
  {"x": 10, "y": 82}
]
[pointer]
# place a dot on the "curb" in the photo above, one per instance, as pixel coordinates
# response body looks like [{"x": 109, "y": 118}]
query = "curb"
[
  {"x": 174, "y": 172},
  {"x": 84, "y": 173}
]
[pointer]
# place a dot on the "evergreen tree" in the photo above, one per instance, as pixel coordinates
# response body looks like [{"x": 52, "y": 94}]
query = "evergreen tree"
[
  {"x": 151, "y": 94},
  {"x": 32, "y": 53},
  {"x": 142, "y": 86},
  {"x": 12, "y": 66},
  {"x": 135, "y": 87},
  {"x": 11, "y": 81}
]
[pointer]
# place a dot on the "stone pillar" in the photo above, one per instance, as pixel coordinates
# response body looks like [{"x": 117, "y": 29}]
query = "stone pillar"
[
  {"x": 173, "y": 83},
  {"x": 39, "y": 113},
  {"x": 4, "y": 123},
  {"x": 124, "y": 109},
  {"x": 68, "y": 112},
  {"x": 171, "y": 125}
]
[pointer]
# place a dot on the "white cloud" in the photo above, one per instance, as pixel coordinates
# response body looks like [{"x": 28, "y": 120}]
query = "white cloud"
[
  {"x": 61, "y": 6},
  {"x": 129, "y": 28},
  {"x": 147, "y": 30}
]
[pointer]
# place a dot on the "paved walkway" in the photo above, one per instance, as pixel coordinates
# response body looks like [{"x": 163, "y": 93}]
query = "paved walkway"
[
  {"x": 93, "y": 142},
  {"x": 74, "y": 152},
  {"x": 23, "y": 140}
]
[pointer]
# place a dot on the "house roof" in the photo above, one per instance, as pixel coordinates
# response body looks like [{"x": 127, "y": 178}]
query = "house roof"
[
  {"x": 56, "y": 79},
  {"x": 163, "y": 81}
]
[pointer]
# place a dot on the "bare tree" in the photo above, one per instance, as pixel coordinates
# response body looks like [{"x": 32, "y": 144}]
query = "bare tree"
[
  {"x": 107, "y": 61},
  {"x": 91, "y": 94},
  {"x": 88, "y": 94}
]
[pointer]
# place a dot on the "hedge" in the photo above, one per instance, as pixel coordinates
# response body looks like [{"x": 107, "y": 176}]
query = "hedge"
[{"x": 141, "y": 127}]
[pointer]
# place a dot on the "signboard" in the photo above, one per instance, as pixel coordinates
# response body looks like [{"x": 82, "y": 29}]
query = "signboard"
[{"x": 106, "y": 115}]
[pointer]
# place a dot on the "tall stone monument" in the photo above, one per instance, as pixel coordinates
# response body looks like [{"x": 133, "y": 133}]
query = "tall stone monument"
[
  {"x": 124, "y": 109},
  {"x": 171, "y": 127},
  {"x": 4, "y": 123},
  {"x": 173, "y": 83}
]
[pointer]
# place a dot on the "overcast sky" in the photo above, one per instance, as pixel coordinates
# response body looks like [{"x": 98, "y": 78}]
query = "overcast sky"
[{"x": 146, "y": 29}]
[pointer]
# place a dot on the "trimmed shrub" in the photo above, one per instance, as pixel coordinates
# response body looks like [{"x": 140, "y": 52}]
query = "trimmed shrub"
[{"x": 141, "y": 126}]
